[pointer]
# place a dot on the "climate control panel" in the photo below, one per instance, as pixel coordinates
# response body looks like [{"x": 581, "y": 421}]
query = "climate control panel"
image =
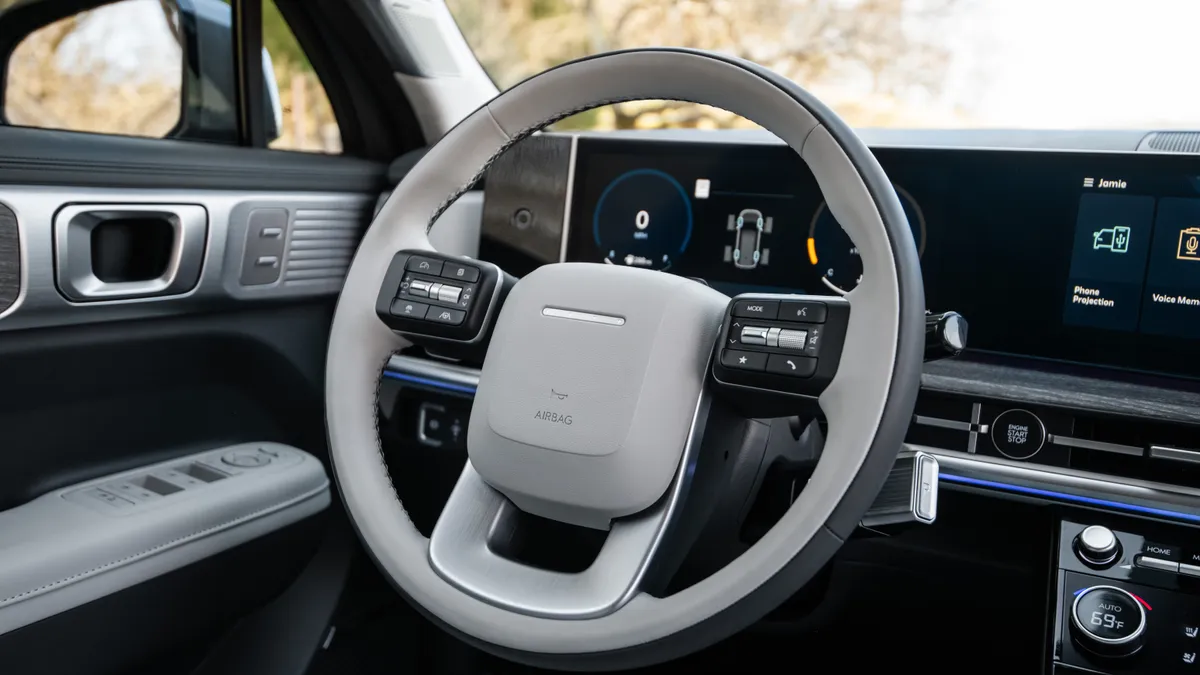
[{"x": 1118, "y": 609}]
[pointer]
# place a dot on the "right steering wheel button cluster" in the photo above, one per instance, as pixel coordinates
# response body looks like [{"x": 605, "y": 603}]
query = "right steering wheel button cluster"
[{"x": 782, "y": 343}]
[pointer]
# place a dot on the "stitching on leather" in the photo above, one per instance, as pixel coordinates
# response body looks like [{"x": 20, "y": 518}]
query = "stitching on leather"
[
  {"x": 517, "y": 138},
  {"x": 250, "y": 516},
  {"x": 379, "y": 438}
]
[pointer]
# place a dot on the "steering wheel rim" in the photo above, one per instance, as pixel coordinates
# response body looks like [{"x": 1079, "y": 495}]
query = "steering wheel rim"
[{"x": 869, "y": 404}]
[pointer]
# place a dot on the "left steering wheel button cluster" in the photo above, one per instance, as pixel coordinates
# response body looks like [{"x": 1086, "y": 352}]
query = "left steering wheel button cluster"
[{"x": 448, "y": 300}]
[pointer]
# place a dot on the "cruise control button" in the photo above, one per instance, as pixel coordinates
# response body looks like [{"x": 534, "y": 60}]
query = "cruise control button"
[
  {"x": 411, "y": 310},
  {"x": 793, "y": 366},
  {"x": 802, "y": 311},
  {"x": 754, "y": 335},
  {"x": 460, "y": 272},
  {"x": 732, "y": 358},
  {"x": 424, "y": 265},
  {"x": 442, "y": 315},
  {"x": 756, "y": 308},
  {"x": 1162, "y": 551}
]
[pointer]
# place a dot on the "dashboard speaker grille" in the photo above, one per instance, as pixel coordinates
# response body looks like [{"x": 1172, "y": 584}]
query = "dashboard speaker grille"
[
  {"x": 10, "y": 258},
  {"x": 1172, "y": 141}
]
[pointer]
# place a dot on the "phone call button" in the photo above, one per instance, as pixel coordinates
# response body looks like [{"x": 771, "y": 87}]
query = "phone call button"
[{"x": 793, "y": 366}]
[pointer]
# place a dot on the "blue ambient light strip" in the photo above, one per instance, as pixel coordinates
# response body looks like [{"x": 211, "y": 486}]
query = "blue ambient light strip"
[
  {"x": 1063, "y": 496},
  {"x": 430, "y": 382},
  {"x": 948, "y": 477}
]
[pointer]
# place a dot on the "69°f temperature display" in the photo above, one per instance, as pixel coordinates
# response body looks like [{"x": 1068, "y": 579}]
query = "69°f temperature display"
[{"x": 1107, "y": 616}]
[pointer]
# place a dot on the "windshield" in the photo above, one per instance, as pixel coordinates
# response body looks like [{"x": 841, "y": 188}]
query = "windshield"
[{"x": 1044, "y": 64}]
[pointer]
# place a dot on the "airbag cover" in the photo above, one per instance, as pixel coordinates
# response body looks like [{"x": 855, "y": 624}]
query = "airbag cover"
[{"x": 582, "y": 420}]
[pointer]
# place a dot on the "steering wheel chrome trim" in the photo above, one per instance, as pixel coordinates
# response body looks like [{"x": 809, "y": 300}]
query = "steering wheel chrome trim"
[{"x": 870, "y": 400}]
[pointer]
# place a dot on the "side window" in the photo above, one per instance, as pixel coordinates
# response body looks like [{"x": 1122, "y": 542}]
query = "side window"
[
  {"x": 115, "y": 69},
  {"x": 307, "y": 121}
]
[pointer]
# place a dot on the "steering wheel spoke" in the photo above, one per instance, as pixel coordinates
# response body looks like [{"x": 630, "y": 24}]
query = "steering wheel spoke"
[{"x": 478, "y": 522}]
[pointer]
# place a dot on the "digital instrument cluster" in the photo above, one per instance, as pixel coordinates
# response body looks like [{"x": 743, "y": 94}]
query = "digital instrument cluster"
[
  {"x": 743, "y": 221},
  {"x": 1084, "y": 258}
]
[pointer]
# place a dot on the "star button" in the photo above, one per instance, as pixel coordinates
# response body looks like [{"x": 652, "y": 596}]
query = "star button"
[{"x": 742, "y": 360}]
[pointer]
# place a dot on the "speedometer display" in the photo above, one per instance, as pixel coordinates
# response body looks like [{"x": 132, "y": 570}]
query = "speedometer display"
[
  {"x": 836, "y": 257},
  {"x": 643, "y": 219}
]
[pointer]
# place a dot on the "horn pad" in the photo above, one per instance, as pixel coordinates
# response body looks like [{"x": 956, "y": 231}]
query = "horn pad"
[{"x": 590, "y": 389}]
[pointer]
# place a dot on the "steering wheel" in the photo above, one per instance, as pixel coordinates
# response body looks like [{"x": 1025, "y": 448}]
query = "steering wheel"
[{"x": 633, "y": 349}]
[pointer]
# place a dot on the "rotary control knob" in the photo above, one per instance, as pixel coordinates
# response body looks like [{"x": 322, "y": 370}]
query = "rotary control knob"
[
  {"x": 1108, "y": 621},
  {"x": 1097, "y": 546}
]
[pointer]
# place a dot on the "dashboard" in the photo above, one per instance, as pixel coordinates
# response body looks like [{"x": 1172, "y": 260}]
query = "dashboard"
[{"x": 1079, "y": 257}]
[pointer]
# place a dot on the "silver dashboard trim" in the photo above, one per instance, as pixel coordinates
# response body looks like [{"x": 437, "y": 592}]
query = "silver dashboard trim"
[
  {"x": 1068, "y": 481},
  {"x": 1174, "y": 454},
  {"x": 566, "y": 219},
  {"x": 1087, "y": 444},
  {"x": 434, "y": 370},
  {"x": 1022, "y": 474},
  {"x": 953, "y": 425}
]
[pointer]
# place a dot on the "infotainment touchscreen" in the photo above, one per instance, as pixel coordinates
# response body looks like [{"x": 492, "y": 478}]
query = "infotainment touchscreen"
[{"x": 1076, "y": 257}]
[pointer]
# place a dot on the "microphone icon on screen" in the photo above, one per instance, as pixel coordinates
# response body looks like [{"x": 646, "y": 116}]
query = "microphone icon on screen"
[{"x": 1189, "y": 244}]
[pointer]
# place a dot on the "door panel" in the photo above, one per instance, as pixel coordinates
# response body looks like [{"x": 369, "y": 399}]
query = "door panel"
[
  {"x": 97, "y": 387},
  {"x": 318, "y": 234}
]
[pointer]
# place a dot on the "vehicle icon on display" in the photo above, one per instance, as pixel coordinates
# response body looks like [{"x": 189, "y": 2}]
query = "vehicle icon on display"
[{"x": 748, "y": 240}]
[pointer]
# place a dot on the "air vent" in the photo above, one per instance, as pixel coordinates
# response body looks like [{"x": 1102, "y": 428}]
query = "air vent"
[
  {"x": 1171, "y": 141},
  {"x": 321, "y": 246}
]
